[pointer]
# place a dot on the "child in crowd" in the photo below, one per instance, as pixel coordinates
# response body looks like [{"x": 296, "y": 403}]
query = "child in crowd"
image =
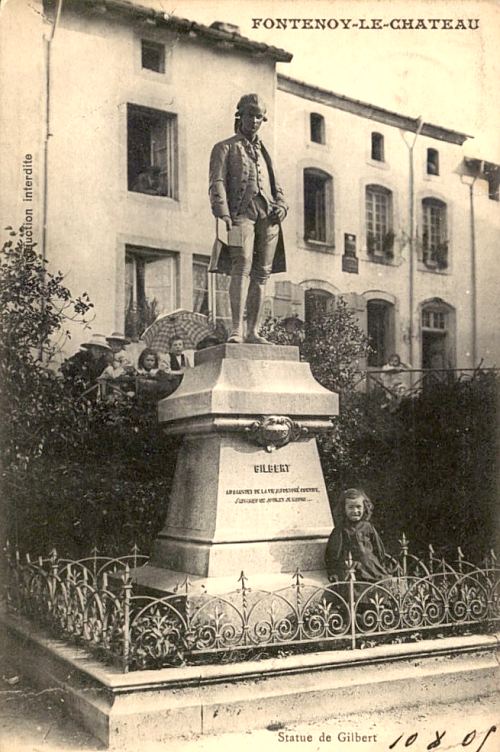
[
  {"x": 394, "y": 377},
  {"x": 147, "y": 365},
  {"x": 354, "y": 534},
  {"x": 120, "y": 364}
]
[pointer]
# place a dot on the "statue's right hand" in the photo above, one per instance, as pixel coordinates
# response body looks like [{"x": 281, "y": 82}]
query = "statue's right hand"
[{"x": 227, "y": 222}]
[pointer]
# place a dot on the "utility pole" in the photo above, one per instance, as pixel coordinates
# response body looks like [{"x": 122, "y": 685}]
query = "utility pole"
[{"x": 411, "y": 244}]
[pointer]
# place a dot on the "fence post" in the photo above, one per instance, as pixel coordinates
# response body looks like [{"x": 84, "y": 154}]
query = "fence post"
[
  {"x": 126, "y": 590},
  {"x": 351, "y": 567},
  {"x": 244, "y": 606},
  {"x": 404, "y": 553},
  {"x": 431, "y": 558},
  {"x": 297, "y": 577},
  {"x": 135, "y": 551},
  {"x": 94, "y": 553},
  {"x": 53, "y": 572}
]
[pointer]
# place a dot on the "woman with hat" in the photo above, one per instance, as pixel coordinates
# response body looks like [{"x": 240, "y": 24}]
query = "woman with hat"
[
  {"x": 85, "y": 366},
  {"x": 121, "y": 364}
]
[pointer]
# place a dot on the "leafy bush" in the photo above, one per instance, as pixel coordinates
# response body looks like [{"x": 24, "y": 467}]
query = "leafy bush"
[
  {"x": 76, "y": 473},
  {"x": 35, "y": 308},
  {"x": 428, "y": 463}
]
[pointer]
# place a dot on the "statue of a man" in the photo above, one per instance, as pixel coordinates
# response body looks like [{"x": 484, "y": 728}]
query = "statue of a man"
[{"x": 245, "y": 195}]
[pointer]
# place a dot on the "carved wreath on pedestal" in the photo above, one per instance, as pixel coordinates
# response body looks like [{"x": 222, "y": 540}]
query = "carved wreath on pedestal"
[{"x": 272, "y": 431}]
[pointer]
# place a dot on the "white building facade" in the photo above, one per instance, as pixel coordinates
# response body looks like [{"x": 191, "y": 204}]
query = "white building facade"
[
  {"x": 381, "y": 214},
  {"x": 115, "y": 108}
]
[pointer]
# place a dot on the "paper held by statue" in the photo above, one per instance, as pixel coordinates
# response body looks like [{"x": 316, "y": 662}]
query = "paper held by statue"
[
  {"x": 220, "y": 260},
  {"x": 235, "y": 237}
]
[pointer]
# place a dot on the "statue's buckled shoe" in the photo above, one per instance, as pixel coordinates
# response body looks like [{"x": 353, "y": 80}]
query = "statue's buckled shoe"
[
  {"x": 256, "y": 339},
  {"x": 235, "y": 337}
]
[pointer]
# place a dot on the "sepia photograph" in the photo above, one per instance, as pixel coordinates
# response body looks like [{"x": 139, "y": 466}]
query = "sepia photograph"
[{"x": 249, "y": 373}]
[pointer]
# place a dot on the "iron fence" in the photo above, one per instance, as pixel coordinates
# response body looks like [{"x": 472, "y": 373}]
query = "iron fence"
[
  {"x": 408, "y": 382},
  {"x": 94, "y": 603}
]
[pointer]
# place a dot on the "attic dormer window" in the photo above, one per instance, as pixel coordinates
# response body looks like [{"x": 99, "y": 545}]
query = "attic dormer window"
[
  {"x": 153, "y": 56},
  {"x": 317, "y": 126},
  {"x": 432, "y": 162},
  {"x": 377, "y": 152}
]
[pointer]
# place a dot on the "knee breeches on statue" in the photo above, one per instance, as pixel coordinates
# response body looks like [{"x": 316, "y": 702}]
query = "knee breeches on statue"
[{"x": 251, "y": 265}]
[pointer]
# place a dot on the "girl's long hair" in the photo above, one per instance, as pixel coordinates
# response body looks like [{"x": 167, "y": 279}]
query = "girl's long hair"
[
  {"x": 144, "y": 354},
  {"x": 351, "y": 493}
]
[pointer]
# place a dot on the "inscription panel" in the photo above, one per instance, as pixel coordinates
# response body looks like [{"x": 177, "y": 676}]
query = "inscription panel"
[{"x": 273, "y": 494}]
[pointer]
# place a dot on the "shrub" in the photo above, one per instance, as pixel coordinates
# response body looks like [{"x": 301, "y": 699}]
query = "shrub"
[{"x": 76, "y": 473}]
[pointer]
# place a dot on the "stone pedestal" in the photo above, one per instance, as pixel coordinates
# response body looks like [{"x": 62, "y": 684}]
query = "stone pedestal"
[{"x": 248, "y": 491}]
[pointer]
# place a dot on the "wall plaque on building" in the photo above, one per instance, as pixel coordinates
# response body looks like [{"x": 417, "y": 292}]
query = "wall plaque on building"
[{"x": 349, "y": 259}]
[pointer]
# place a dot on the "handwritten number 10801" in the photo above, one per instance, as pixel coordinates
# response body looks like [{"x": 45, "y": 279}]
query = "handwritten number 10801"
[{"x": 466, "y": 741}]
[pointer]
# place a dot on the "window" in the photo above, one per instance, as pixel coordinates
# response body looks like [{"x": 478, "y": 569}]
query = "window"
[
  {"x": 200, "y": 286},
  {"x": 379, "y": 232},
  {"x": 317, "y": 302},
  {"x": 493, "y": 190},
  {"x": 222, "y": 307},
  {"x": 377, "y": 152},
  {"x": 433, "y": 319},
  {"x": 150, "y": 287},
  {"x": 438, "y": 326},
  {"x": 432, "y": 162},
  {"x": 317, "y": 123},
  {"x": 317, "y": 206},
  {"x": 380, "y": 330},
  {"x": 153, "y": 56},
  {"x": 492, "y": 175},
  {"x": 152, "y": 151},
  {"x": 435, "y": 233},
  {"x": 211, "y": 292}
]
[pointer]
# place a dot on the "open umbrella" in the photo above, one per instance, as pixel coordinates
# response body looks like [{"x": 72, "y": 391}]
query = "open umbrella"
[{"x": 180, "y": 324}]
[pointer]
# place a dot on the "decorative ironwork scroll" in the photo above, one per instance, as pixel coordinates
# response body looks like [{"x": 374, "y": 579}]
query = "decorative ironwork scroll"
[{"x": 92, "y": 602}]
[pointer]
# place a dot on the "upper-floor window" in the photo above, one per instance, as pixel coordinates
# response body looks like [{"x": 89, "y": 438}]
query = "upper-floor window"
[
  {"x": 435, "y": 233},
  {"x": 318, "y": 210},
  {"x": 432, "y": 162},
  {"x": 493, "y": 178},
  {"x": 493, "y": 191},
  {"x": 150, "y": 287},
  {"x": 152, "y": 151},
  {"x": 317, "y": 127},
  {"x": 377, "y": 147},
  {"x": 153, "y": 56},
  {"x": 379, "y": 224}
]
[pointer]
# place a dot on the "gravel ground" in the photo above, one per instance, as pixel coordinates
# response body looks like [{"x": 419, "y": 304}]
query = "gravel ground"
[{"x": 35, "y": 721}]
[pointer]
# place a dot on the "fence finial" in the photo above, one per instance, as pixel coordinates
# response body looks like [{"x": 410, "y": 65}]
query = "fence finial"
[{"x": 243, "y": 579}]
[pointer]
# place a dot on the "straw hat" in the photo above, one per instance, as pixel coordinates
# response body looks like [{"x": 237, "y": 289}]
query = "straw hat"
[
  {"x": 118, "y": 337},
  {"x": 97, "y": 340}
]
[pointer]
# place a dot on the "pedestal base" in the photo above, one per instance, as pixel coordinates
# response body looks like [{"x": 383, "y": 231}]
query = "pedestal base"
[
  {"x": 248, "y": 492},
  {"x": 236, "y": 507}
]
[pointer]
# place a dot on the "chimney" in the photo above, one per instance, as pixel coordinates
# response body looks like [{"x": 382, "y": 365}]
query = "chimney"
[{"x": 229, "y": 28}]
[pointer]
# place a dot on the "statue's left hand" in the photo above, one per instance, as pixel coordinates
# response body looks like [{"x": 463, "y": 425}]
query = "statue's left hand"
[{"x": 278, "y": 212}]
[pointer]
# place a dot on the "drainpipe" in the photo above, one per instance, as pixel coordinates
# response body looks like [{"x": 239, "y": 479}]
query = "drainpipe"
[
  {"x": 48, "y": 134},
  {"x": 411, "y": 263},
  {"x": 473, "y": 266}
]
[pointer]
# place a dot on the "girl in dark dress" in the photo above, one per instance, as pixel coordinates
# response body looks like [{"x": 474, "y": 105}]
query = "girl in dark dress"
[{"x": 354, "y": 534}]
